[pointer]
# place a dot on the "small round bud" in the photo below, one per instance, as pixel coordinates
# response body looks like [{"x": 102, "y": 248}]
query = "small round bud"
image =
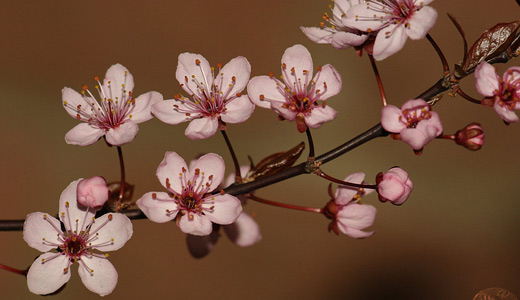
[
  {"x": 470, "y": 137},
  {"x": 394, "y": 186},
  {"x": 92, "y": 192}
]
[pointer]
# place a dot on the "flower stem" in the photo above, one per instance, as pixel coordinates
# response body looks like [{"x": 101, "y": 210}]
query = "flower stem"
[
  {"x": 16, "y": 271},
  {"x": 378, "y": 78},
  {"x": 468, "y": 97},
  {"x": 238, "y": 176},
  {"x": 445, "y": 66},
  {"x": 356, "y": 185},
  {"x": 123, "y": 182},
  {"x": 311, "y": 144},
  {"x": 296, "y": 207}
]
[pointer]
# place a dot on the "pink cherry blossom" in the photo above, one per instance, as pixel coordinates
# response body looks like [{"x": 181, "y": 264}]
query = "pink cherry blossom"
[
  {"x": 394, "y": 186},
  {"x": 347, "y": 214},
  {"x": 338, "y": 34},
  {"x": 393, "y": 21},
  {"x": 502, "y": 93},
  {"x": 416, "y": 124},
  {"x": 83, "y": 234},
  {"x": 114, "y": 116},
  {"x": 189, "y": 199},
  {"x": 93, "y": 192},
  {"x": 216, "y": 96},
  {"x": 297, "y": 96}
]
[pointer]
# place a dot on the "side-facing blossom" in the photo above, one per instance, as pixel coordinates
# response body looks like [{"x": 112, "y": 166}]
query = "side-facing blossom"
[
  {"x": 92, "y": 192},
  {"x": 114, "y": 116},
  {"x": 415, "y": 122},
  {"x": 339, "y": 35},
  {"x": 347, "y": 214},
  {"x": 189, "y": 200},
  {"x": 394, "y": 186},
  {"x": 215, "y": 95},
  {"x": 81, "y": 235},
  {"x": 393, "y": 21},
  {"x": 501, "y": 93},
  {"x": 298, "y": 96}
]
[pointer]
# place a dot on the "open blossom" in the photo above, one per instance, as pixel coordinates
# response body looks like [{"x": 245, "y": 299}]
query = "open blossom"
[
  {"x": 297, "y": 96},
  {"x": 188, "y": 199},
  {"x": 416, "y": 124},
  {"x": 347, "y": 214},
  {"x": 501, "y": 93},
  {"x": 114, "y": 116},
  {"x": 93, "y": 192},
  {"x": 339, "y": 35},
  {"x": 215, "y": 96},
  {"x": 394, "y": 186},
  {"x": 393, "y": 21},
  {"x": 81, "y": 235}
]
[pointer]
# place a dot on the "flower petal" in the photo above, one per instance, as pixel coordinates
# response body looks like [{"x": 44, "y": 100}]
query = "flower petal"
[
  {"x": 421, "y": 22},
  {"x": 142, "y": 109},
  {"x": 505, "y": 113},
  {"x": 390, "y": 119},
  {"x": 320, "y": 115},
  {"x": 111, "y": 227},
  {"x": 318, "y": 35},
  {"x": 74, "y": 212},
  {"x": 189, "y": 73},
  {"x": 486, "y": 79},
  {"x": 343, "y": 40},
  {"x": 83, "y": 135},
  {"x": 47, "y": 277},
  {"x": 328, "y": 82},
  {"x": 103, "y": 279},
  {"x": 264, "y": 87},
  {"x": 37, "y": 231},
  {"x": 299, "y": 58},
  {"x": 197, "y": 225},
  {"x": 157, "y": 210},
  {"x": 345, "y": 194},
  {"x": 238, "y": 110},
  {"x": 386, "y": 45},
  {"x": 364, "y": 19},
  {"x": 170, "y": 168},
  {"x": 201, "y": 128},
  {"x": 240, "y": 69},
  {"x": 244, "y": 232},
  {"x": 122, "y": 134},
  {"x": 74, "y": 101},
  {"x": 165, "y": 111},
  {"x": 118, "y": 78},
  {"x": 200, "y": 246},
  {"x": 286, "y": 113},
  {"x": 226, "y": 209},
  {"x": 354, "y": 217},
  {"x": 208, "y": 165}
]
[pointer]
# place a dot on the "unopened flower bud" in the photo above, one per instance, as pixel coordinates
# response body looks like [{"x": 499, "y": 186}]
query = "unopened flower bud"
[
  {"x": 470, "y": 137},
  {"x": 394, "y": 186},
  {"x": 92, "y": 192}
]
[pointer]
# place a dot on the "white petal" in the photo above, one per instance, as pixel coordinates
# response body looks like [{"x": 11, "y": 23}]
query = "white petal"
[
  {"x": 238, "y": 110},
  {"x": 122, "y": 134},
  {"x": 343, "y": 40},
  {"x": 187, "y": 68},
  {"x": 244, "y": 232},
  {"x": 328, "y": 80},
  {"x": 36, "y": 228},
  {"x": 299, "y": 58},
  {"x": 486, "y": 79},
  {"x": 226, "y": 209},
  {"x": 170, "y": 168},
  {"x": 210, "y": 164},
  {"x": 156, "y": 210},
  {"x": 201, "y": 128},
  {"x": 318, "y": 35},
  {"x": 165, "y": 111},
  {"x": 197, "y": 225},
  {"x": 239, "y": 68},
  {"x": 103, "y": 279},
  {"x": 320, "y": 115},
  {"x": 120, "y": 79},
  {"x": 264, "y": 87},
  {"x": 47, "y": 277},
  {"x": 142, "y": 109},
  {"x": 74, "y": 100},
  {"x": 364, "y": 19},
  {"x": 344, "y": 194},
  {"x": 421, "y": 22},
  {"x": 117, "y": 230},
  {"x": 83, "y": 135},
  {"x": 386, "y": 45}
]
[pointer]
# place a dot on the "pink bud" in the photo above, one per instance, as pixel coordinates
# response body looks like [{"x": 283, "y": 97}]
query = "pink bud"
[
  {"x": 394, "y": 186},
  {"x": 470, "y": 137},
  {"x": 92, "y": 192}
]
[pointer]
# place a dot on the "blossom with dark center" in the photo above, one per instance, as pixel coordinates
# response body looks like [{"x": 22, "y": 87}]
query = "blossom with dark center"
[
  {"x": 415, "y": 122},
  {"x": 83, "y": 233},
  {"x": 394, "y": 21},
  {"x": 114, "y": 116},
  {"x": 189, "y": 199},
  {"x": 215, "y": 95},
  {"x": 298, "y": 96}
]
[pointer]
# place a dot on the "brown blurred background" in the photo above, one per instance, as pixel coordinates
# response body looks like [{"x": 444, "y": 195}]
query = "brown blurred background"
[{"x": 456, "y": 235}]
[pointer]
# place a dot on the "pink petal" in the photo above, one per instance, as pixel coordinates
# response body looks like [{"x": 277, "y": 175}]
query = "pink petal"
[
  {"x": 117, "y": 229},
  {"x": 343, "y": 40},
  {"x": 200, "y": 246},
  {"x": 164, "y": 111},
  {"x": 354, "y": 217},
  {"x": 157, "y": 210},
  {"x": 74, "y": 212},
  {"x": 318, "y": 35},
  {"x": 371, "y": 20},
  {"x": 47, "y": 277},
  {"x": 226, "y": 209},
  {"x": 122, "y": 134},
  {"x": 286, "y": 113},
  {"x": 36, "y": 228},
  {"x": 142, "y": 109},
  {"x": 421, "y": 22},
  {"x": 83, "y": 135},
  {"x": 486, "y": 79},
  {"x": 187, "y": 68},
  {"x": 104, "y": 278},
  {"x": 320, "y": 115},
  {"x": 201, "y": 128},
  {"x": 390, "y": 119},
  {"x": 264, "y": 86},
  {"x": 244, "y": 232},
  {"x": 385, "y": 46},
  {"x": 238, "y": 110},
  {"x": 75, "y": 100},
  {"x": 505, "y": 113},
  {"x": 299, "y": 58},
  {"x": 344, "y": 194},
  {"x": 170, "y": 168},
  {"x": 210, "y": 164},
  {"x": 328, "y": 81},
  {"x": 239, "y": 68},
  {"x": 197, "y": 225},
  {"x": 118, "y": 76},
  {"x": 413, "y": 104}
]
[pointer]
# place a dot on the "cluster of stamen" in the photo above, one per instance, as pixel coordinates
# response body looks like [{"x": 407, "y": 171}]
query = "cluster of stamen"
[
  {"x": 77, "y": 241},
  {"x": 509, "y": 95},
  {"x": 110, "y": 112},
  {"x": 335, "y": 21},
  {"x": 413, "y": 117},
  {"x": 207, "y": 100}
]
